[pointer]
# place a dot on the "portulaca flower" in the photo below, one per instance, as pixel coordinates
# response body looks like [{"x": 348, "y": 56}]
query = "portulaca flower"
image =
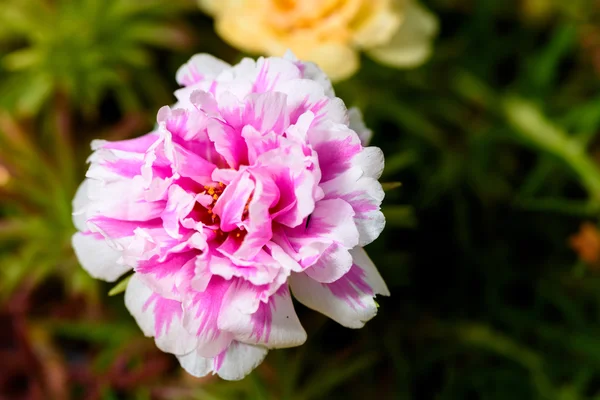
[{"x": 256, "y": 183}]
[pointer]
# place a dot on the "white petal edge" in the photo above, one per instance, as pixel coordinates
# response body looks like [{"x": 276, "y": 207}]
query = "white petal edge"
[
  {"x": 371, "y": 160},
  {"x": 362, "y": 259},
  {"x": 355, "y": 186},
  {"x": 79, "y": 204},
  {"x": 333, "y": 263},
  {"x": 176, "y": 339},
  {"x": 357, "y": 124},
  {"x": 205, "y": 64},
  {"x": 313, "y": 72},
  {"x": 352, "y": 313},
  {"x": 240, "y": 359},
  {"x": 284, "y": 331},
  {"x": 370, "y": 226},
  {"x": 97, "y": 257}
]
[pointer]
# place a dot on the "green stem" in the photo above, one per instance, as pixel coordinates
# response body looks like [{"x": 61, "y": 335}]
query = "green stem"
[
  {"x": 587, "y": 170},
  {"x": 540, "y": 133}
]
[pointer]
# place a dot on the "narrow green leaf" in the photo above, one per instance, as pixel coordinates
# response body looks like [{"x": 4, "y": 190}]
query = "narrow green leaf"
[
  {"x": 540, "y": 133},
  {"x": 387, "y": 186},
  {"x": 119, "y": 287}
]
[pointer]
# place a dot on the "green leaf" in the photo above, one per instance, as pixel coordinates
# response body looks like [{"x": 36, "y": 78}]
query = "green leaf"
[
  {"x": 387, "y": 186},
  {"x": 120, "y": 287},
  {"x": 545, "y": 67},
  {"x": 536, "y": 130}
]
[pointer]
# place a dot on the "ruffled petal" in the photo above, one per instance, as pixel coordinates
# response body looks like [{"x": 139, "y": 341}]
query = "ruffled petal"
[
  {"x": 161, "y": 273},
  {"x": 97, "y": 257},
  {"x": 258, "y": 224},
  {"x": 358, "y": 125},
  {"x": 80, "y": 203},
  {"x": 231, "y": 204},
  {"x": 312, "y": 72},
  {"x": 158, "y": 317},
  {"x": 228, "y": 143},
  {"x": 233, "y": 364},
  {"x": 331, "y": 222},
  {"x": 371, "y": 161},
  {"x": 349, "y": 300},
  {"x": 240, "y": 360},
  {"x": 200, "y": 67},
  {"x": 333, "y": 263},
  {"x": 274, "y": 325},
  {"x": 365, "y": 195},
  {"x": 201, "y": 312},
  {"x": 336, "y": 145}
]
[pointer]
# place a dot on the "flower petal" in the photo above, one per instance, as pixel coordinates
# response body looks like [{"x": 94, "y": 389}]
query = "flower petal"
[
  {"x": 412, "y": 43},
  {"x": 228, "y": 142},
  {"x": 312, "y": 72},
  {"x": 97, "y": 257},
  {"x": 233, "y": 364},
  {"x": 80, "y": 203},
  {"x": 349, "y": 300},
  {"x": 201, "y": 311},
  {"x": 240, "y": 360},
  {"x": 336, "y": 145},
  {"x": 230, "y": 205},
  {"x": 331, "y": 221},
  {"x": 371, "y": 161},
  {"x": 274, "y": 325},
  {"x": 266, "y": 112},
  {"x": 358, "y": 125},
  {"x": 339, "y": 61},
  {"x": 333, "y": 263},
  {"x": 259, "y": 225},
  {"x": 158, "y": 317},
  {"x": 200, "y": 67},
  {"x": 365, "y": 195},
  {"x": 379, "y": 26}
]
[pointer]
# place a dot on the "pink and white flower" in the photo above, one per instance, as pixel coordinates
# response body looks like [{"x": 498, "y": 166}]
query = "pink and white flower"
[{"x": 255, "y": 184}]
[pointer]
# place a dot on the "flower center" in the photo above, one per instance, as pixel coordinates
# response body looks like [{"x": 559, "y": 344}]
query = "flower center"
[
  {"x": 215, "y": 192},
  {"x": 213, "y": 221}
]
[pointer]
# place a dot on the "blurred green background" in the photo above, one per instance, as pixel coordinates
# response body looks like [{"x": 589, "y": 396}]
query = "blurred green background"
[{"x": 491, "y": 250}]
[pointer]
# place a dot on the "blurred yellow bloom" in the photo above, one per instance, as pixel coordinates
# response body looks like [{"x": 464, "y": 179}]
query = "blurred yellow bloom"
[{"x": 328, "y": 32}]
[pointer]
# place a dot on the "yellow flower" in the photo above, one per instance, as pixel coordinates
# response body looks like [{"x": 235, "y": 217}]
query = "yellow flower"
[{"x": 329, "y": 33}]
